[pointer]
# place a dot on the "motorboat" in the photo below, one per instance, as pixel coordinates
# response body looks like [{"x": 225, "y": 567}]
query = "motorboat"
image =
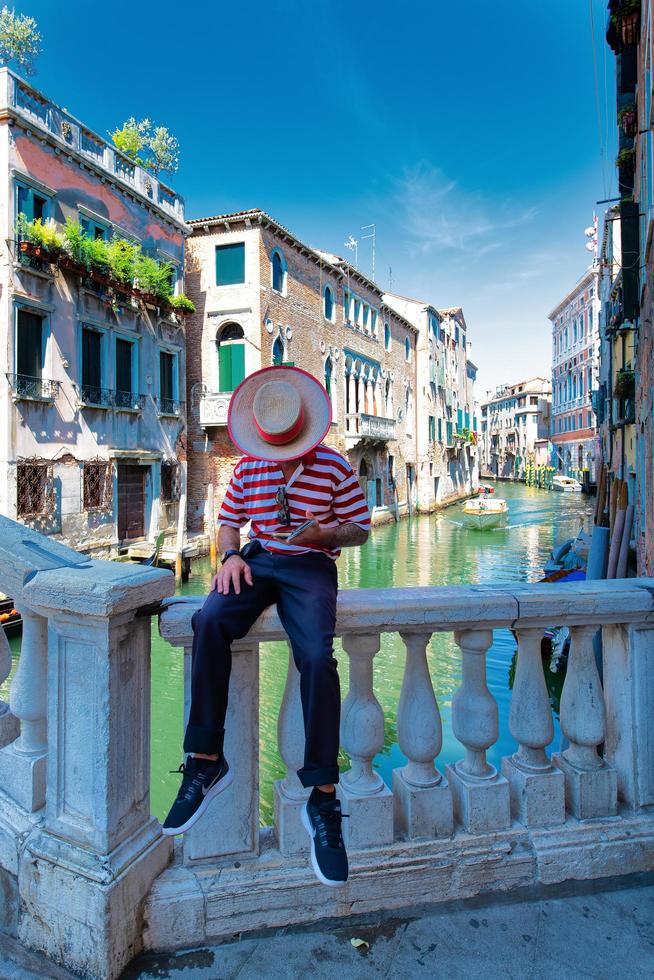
[
  {"x": 485, "y": 488},
  {"x": 566, "y": 484},
  {"x": 482, "y": 513}
]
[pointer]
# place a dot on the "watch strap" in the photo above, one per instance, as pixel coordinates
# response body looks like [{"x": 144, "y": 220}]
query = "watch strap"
[{"x": 228, "y": 554}]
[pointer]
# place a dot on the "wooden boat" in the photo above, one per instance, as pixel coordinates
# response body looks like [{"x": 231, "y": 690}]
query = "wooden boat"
[
  {"x": 483, "y": 513},
  {"x": 565, "y": 484},
  {"x": 485, "y": 488},
  {"x": 10, "y": 619}
]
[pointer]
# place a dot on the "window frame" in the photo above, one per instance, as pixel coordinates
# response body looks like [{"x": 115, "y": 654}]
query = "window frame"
[
  {"x": 328, "y": 290},
  {"x": 104, "y": 359},
  {"x": 277, "y": 252},
  {"x": 95, "y": 223},
  {"x": 45, "y": 336},
  {"x": 134, "y": 342},
  {"x": 175, "y": 352},
  {"x": 221, "y": 249}
]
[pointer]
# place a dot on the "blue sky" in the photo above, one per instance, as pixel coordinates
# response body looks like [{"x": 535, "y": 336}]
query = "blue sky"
[{"x": 467, "y": 132}]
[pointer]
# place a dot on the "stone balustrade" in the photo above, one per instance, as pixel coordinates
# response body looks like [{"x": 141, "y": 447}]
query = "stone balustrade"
[{"x": 91, "y": 881}]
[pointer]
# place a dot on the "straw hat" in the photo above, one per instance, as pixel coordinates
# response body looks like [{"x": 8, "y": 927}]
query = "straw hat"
[{"x": 279, "y": 413}]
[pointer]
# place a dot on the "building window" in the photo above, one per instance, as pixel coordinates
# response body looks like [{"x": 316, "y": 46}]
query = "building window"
[
  {"x": 35, "y": 491},
  {"x": 328, "y": 304},
  {"x": 97, "y": 490},
  {"x": 346, "y": 306},
  {"x": 169, "y": 382},
  {"x": 328, "y": 376},
  {"x": 581, "y": 421},
  {"x": 93, "y": 228},
  {"x": 231, "y": 356},
  {"x": 387, "y": 335},
  {"x": 32, "y": 203},
  {"x": 171, "y": 489},
  {"x": 365, "y": 316},
  {"x": 93, "y": 392},
  {"x": 230, "y": 264},
  {"x": 373, "y": 322},
  {"x": 278, "y": 353},
  {"x": 432, "y": 428},
  {"x": 125, "y": 372},
  {"x": 407, "y": 349},
  {"x": 388, "y": 398},
  {"x": 278, "y": 272},
  {"x": 30, "y": 346}
]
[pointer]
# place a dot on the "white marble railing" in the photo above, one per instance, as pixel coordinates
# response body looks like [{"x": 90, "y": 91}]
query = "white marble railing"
[{"x": 88, "y": 875}]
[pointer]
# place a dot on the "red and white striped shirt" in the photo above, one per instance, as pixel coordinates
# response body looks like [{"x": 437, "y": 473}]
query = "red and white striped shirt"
[{"x": 323, "y": 483}]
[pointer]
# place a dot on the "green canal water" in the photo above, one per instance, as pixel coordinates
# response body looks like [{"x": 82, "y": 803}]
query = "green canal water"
[{"x": 428, "y": 550}]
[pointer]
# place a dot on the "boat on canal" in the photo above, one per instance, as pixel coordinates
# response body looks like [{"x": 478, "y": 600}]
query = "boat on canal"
[
  {"x": 566, "y": 484},
  {"x": 484, "y": 513},
  {"x": 485, "y": 488}
]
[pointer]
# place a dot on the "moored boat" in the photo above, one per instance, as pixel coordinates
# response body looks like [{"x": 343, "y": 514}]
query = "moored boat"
[
  {"x": 483, "y": 513},
  {"x": 566, "y": 484},
  {"x": 485, "y": 488}
]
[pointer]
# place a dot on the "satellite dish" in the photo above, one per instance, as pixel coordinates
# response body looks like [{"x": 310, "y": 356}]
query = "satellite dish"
[
  {"x": 589, "y": 232},
  {"x": 591, "y": 246}
]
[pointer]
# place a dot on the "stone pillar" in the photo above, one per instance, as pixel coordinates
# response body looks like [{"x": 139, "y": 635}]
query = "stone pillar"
[
  {"x": 537, "y": 789},
  {"x": 23, "y": 763},
  {"x": 229, "y": 828},
  {"x": 422, "y": 797},
  {"x": 9, "y": 726},
  {"x": 86, "y": 870},
  {"x": 289, "y": 793},
  {"x": 590, "y": 783},
  {"x": 365, "y": 796},
  {"x": 481, "y": 794},
  {"x": 629, "y": 699}
]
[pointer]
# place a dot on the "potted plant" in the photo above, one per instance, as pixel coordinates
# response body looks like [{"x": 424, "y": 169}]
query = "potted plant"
[
  {"x": 627, "y": 120},
  {"x": 123, "y": 256},
  {"x": 182, "y": 304},
  {"x": 625, "y": 384},
  {"x": 154, "y": 279}
]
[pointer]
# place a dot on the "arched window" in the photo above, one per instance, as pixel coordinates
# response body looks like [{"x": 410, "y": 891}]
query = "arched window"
[
  {"x": 387, "y": 335},
  {"x": 388, "y": 399},
  {"x": 328, "y": 376},
  {"x": 278, "y": 351},
  {"x": 363, "y": 468},
  {"x": 328, "y": 304},
  {"x": 278, "y": 272},
  {"x": 230, "y": 342},
  {"x": 407, "y": 349}
]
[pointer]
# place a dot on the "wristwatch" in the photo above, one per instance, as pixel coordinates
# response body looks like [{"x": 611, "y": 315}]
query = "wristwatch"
[{"x": 228, "y": 554}]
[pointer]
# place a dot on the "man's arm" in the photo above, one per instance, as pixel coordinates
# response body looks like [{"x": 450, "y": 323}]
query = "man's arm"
[
  {"x": 228, "y": 537},
  {"x": 343, "y": 536},
  {"x": 230, "y": 573},
  {"x": 349, "y": 536}
]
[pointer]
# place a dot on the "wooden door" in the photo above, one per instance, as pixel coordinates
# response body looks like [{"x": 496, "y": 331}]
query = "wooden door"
[{"x": 131, "y": 502}]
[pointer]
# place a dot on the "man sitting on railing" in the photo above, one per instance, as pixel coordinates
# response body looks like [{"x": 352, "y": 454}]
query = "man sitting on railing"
[{"x": 305, "y": 504}]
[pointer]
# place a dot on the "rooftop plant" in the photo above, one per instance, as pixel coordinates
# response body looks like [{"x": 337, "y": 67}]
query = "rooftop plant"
[
  {"x": 20, "y": 40},
  {"x": 154, "y": 277},
  {"x": 149, "y": 146}
]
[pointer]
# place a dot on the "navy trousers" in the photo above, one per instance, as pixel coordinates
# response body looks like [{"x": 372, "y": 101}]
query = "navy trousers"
[{"x": 304, "y": 588}]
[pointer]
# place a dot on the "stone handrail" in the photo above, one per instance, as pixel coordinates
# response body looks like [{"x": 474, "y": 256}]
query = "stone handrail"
[{"x": 89, "y": 879}]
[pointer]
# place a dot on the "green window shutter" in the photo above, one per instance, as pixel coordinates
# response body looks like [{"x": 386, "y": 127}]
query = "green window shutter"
[
  {"x": 440, "y": 430},
  {"x": 459, "y": 419},
  {"x": 225, "y": 367},
  {"x": 238, "y": 364},
  {"x": 432, "y": 428},
  {"x": 123, "y": 365},
  {"x": 230, "y": 264},
  {"x": 449, "y": 433},
  {"x": 91, "y": 359},
  {"x": 29, "y": 356},
  {"x": 467, "y": 417}
]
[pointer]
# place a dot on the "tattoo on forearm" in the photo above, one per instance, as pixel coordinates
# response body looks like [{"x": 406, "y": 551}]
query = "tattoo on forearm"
[{"x": 349, "y": 535}]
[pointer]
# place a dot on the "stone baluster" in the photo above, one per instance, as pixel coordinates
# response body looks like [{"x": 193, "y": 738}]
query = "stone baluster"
[
  {"x": 23, "y": 763},
  {"x": 422, "y": 797},
  {"x": 590, "y": 783},
  {"x": 365, "y": 796},
  {"x": 230, "y": 826},
  {"x": 9, "y": 727},
  {"x": 289, "y": 793},
  {"x": 537, "y": 789},
  {"x": 481, "y": 794}
]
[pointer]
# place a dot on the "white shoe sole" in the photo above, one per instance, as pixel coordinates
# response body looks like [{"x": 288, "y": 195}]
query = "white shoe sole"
[
  {"x": 215, "y": 790},
  {"x": 318, "y": 873}
]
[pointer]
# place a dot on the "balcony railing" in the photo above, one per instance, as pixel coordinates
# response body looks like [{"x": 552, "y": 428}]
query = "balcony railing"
[
  {"x": 32, "y": 389},
  {"x": 128, "y": 401},
  {"x": 169, "y": 406},
  {"x": 585, "y": 811},
  {"x": 91, "y": 396},
  {"x": 362, "y": 426},
  {"x": 42, "y": 114},
  {"x": 213, "y": 407}
]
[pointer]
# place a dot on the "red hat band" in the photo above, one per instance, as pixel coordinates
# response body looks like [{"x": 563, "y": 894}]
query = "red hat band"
[{"x": 281, "y": 438}]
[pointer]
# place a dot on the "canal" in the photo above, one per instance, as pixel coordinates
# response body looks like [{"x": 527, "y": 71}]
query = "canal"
[{"x": 428, "y": 550}]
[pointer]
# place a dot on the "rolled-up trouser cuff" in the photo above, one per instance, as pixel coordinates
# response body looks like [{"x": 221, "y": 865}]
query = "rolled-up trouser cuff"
[
  {"x": 208, "y": 741},
  {"x": 318, "y": 777}
]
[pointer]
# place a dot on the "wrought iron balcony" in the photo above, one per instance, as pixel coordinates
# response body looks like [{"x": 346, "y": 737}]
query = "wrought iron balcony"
[
  {"x": 94, "y": 397},
  {"x": 361, "y": 426},
  {"x": 128, "y": 401},
  {"x": 213, "y": 406},
  {"x": 32, "y": 389},
  {"x": 169, "y": 406}
]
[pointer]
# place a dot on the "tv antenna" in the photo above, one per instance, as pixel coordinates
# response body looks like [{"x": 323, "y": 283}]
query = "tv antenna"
[
  {"x": 353, "y": 244},
  {"x": 373, "y": 236}
]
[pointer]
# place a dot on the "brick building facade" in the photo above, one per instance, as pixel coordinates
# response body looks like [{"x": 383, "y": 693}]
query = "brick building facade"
[{"x": 263, "y": 297}]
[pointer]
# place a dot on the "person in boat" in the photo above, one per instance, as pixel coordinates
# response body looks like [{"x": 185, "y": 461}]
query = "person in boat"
[{"x": 286, "y": 479}]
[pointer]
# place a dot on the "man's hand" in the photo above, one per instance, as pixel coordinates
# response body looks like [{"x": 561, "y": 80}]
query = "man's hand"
[
  {"x": 230, "y": 574},
  {"x": 315, "y": 536}
]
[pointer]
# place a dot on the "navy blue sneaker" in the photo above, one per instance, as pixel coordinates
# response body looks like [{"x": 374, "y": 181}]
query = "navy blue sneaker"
[
  {"x": 328, "y": 855},
  {"x": 202, "y": 780}
]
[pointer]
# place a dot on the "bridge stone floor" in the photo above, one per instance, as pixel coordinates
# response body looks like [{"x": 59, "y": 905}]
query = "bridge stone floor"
[{"x": 600, "y": 930}]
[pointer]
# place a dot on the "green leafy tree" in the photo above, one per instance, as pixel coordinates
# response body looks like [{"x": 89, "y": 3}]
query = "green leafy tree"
[
  {"x": 149, "y": 146},
  {"x": 20, "y": 40}
]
